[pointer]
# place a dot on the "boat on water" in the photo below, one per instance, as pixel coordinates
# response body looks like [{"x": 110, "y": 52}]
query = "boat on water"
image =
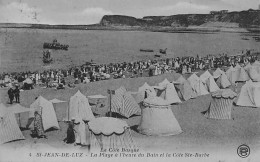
[
  {"x": 55, "y": 45},
  {"x": 146, "y": 50}
]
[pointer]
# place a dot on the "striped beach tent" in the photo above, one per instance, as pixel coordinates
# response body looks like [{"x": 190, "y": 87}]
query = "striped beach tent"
[
  {"x": 124, "y": 104},
  {"x": 221, "y": 104},
  {"x": 9, "y": 129},
  {"x": 117, "y": 101},
  {"x": 110, "y": 133}
]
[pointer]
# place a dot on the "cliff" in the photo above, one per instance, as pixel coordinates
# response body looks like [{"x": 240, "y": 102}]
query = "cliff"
[{"x": 244, "y": 19}]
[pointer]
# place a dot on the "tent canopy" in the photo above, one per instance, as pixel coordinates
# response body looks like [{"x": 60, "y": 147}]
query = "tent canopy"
[
  {"x": 79, "y": 108},
  {"x": 46, "y": 109},
  {"x": 17, "y": 108},
  {"x": 107, "y": 126},
  {"x": 9, "y": 129},
  {"x": 55, "y": 100}
]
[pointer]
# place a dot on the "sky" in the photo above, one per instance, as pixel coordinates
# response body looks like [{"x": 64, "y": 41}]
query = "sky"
[{"x": 75, "y": 12}]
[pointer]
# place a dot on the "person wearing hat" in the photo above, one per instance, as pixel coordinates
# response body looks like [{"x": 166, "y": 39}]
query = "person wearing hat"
[
  {"x": 11, "y": 95},
  {"x": 17, "y": 94}
]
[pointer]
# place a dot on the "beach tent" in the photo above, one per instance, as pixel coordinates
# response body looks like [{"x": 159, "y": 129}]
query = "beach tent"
[
  {"x": 217, "y": 73},
  {"x": 186, "y": 91},
  {"x": 232, "y": 74},
  {"x": 46, "y": 109},
  {"x": 249, "y": 94},
  {"x": 223, "y": 81},
  {"x": 61, "y": 108},
  {"x": 171, "y": 95},
  {"x": 181, "y": 80},
  {"x": 124, "y": 104},
  {"x": 9, "y": 129},
  {"x": 79, "y": 108},
  {"x": 197, "y": 85},
  {"x": 20, "y": 112},
  {"x": 203, "y": 77},
  {"x": 248, "y": 66},
  {"x": 211, "y": 84},
  {"x": 242, "y": 75},
  {"x": 110, "y": 133},
  {"x": 164, "y": 83},
  {"x": 221, "y": 104},
  {"x": 157, "y": 118},
  {"x": 254, "y": 74},
  {"x": 145, "y": 91}
]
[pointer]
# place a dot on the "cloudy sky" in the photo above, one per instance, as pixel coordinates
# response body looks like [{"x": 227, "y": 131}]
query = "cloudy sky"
[{"x": 91, "y": 11}]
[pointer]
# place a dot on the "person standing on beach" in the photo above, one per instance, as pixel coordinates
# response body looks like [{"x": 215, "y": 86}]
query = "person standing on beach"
[
  {"x": 17, "y": 94},
  {"x": 11, "y": 95},
  {"x": 38, "y": 125}
]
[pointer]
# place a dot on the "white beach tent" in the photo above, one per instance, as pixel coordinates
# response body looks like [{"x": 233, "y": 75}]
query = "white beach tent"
[
  {"x": 171, "y": 95},
  {"x": 46, "y": 109},
  {"x": 211, "y": 84},
  {"x": 164, "y": 83},
  {"x": 9, "y": 129},
  {"x": 247, "y": 67},
  {"x": 249, "y": 94},
  {"x": 157, "y": 118},
  {"x": 203, "y": 77},
  {"x": 79, "y": 108},
  {"x": 145, "y": 91},
  {"x": 232, "y": 74},
  {"x": 242, "y": 75},
  {"x": 186, "y": 91},
  {"x": 197, "y": 85},
  {"x": 254, "y": 74},
  {"x": 61, "y": 108},
  {"x": 217, "y": 73},
  {"x": 124, "y": 104},
  {"x": 181, "y": 79},
  {"x": 20, "y": 112},
  {"x": 223, "y": 81}
]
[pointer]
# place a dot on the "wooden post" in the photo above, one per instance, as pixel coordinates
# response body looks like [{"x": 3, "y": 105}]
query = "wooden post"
[{"x": 110, "y": 92}]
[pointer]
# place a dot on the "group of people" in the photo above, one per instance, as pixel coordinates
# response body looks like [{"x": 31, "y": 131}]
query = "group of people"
[
  {"x": 14, "y": 94},
  {"x": 91, "y": 72}
]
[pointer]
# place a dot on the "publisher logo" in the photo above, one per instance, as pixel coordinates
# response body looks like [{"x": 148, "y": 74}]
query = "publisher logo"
[{"x": 243, "y": 151}]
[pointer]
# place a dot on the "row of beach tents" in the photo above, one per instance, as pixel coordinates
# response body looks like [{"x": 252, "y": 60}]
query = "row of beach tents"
[{"x": 128, "y": 103}]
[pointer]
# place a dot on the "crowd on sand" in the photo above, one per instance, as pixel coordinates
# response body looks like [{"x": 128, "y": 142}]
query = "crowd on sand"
[{"x": 91, "y": 72}]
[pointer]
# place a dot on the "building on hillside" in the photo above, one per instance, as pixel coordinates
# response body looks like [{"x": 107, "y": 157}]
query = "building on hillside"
[{"x": 218, "y": 12}]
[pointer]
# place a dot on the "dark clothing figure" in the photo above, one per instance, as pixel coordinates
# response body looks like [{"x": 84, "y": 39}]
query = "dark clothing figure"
[
  {"x": 70, "y": 134},
  {"x": 17, "y": 94},
  {"x": 11, "y": 95}
]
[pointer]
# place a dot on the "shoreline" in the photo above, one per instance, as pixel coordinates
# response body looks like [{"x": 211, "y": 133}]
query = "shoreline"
[{"x": 190, "y": 29}]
